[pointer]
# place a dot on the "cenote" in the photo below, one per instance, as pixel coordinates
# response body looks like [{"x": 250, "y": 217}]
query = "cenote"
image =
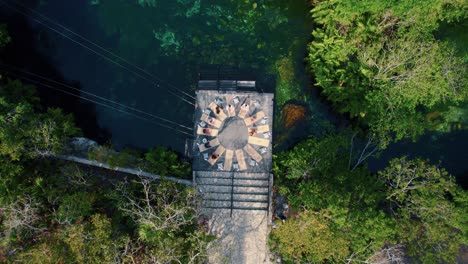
[{"x": 172, "y": 40}]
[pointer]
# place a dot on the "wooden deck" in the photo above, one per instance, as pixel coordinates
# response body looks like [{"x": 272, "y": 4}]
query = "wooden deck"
[
  {"x": 207, "y": 131},
  {"x": 241, "y": 160},
  {"x": 227, "y": 145},
  {"x": 216, "y": 155},
  {"x": 254, "y": 118},
  {"x": 210, "y": 144},
  {"x": 218, "y": 111},
  {"x": 259, "y": 141},
  {"x": 211, "y": 120},
  {"x": 253, "y": 153},
  {"x": 228, "y": 160}
]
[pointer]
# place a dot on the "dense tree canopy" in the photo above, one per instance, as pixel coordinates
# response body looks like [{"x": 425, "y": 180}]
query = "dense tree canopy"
[
  {"x": 52, "y": 211},
  {"x": 429, "y": 208},
  {"x": 4, "y": 37},
  {"x": 59, "y": 212},
  {"x": 380, "y": 62},
  {"x": 309, "y": 238},
  {"x": 357, "y": 215},
  {"x": 24, "y": 133},
  {"x": 383, "y": 63},
  {"x": 317, "y": 176}
]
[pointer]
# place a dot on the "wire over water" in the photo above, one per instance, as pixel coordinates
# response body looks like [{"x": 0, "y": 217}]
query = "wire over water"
[
  {"x": 91, "y": 94},
  {"x": 99, "y": 53},
  {"x": 101, "y": 48},
  {"x": 96, "y": 102}
]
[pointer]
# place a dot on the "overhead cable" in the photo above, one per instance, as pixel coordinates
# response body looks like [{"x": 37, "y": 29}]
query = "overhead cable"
[
  {"x": 100, "y": 54},
  {"x": 91, "y": 94},
  {"x": 98, "y": 103}
]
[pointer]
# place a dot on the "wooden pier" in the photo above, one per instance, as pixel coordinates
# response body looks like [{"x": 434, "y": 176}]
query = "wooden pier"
[{"x": 232, "y": 148}]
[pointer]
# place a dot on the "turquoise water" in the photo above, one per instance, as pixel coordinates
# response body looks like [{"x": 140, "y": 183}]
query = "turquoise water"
[{"x": 172, "y": 40}]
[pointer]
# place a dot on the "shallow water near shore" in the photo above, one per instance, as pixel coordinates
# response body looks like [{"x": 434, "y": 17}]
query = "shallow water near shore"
[{"x": 172, "y": 40}]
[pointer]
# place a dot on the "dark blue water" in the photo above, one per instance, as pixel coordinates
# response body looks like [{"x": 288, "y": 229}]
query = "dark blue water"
[
  {"x": 170, "y": 40},
  {"x": 448, "y": 150}
]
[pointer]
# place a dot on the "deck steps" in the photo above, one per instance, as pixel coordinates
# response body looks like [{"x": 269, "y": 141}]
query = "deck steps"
[{"x": 236, "y": 191}]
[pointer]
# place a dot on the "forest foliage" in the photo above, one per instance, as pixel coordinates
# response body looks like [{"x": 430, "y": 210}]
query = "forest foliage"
[
  {"x": 53, "y": 211},
  {"x": 346, "y": 213},
  {"x": 387, "y": 66},
  {"x": 158, "y": 160},
  {"x": 382, "y": 62}
]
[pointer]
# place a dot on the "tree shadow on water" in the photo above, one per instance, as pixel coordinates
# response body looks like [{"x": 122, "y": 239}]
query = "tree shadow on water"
[{"x": 23, "y": 52}]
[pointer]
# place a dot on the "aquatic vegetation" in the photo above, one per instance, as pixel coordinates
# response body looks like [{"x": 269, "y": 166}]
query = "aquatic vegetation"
[
  {"x": 292, "y": 122},
  {"x": 287, "y": 87},
  {"x": 267, "y": 36},
  {"x": 293, "y": 114},
  {"x": 147, "y": 2},
  {"x": 168, "y": 40},
  {"x": 286, "y": 91},
  {"x": 235, "y": 33},
  {"x": 4, "y": 37},
  {"x": 452, "y": 119},
  {"x": 194, "y": 9}
]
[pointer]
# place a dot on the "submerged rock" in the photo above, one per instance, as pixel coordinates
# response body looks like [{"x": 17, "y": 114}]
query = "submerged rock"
[
  {"x": 81, "y": 145},
  {"x": 292, "y": 114},
  {"x": 281, "y": 206}
]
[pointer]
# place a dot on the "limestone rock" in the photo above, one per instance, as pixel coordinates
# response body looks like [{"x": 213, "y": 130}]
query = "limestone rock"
[{"x": 291, "y": 114}]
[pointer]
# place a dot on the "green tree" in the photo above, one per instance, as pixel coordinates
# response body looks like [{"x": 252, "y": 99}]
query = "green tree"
[
  {"x": 92, "y": 242},
  {"x": 166, "y": 163},
  {"x": 310, "y": 238},
  {"x": 165, "y": 219},
  {"x": 24, "y": 133},
  {"x": 328, "y": 178},
  {"x": 421, "y": 198},
  {"x": 48, "y": 206},
  {"x": 4, "y": 37},
  {"x": 380, "y": 62},
  {"x": 74, "y": 207}
]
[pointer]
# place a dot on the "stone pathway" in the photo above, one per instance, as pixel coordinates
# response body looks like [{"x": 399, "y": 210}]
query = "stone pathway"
[{"x": 242, "y": 238}]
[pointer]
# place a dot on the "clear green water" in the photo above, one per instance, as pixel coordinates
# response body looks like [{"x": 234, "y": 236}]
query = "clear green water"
[{"x": 172, "y": 39}]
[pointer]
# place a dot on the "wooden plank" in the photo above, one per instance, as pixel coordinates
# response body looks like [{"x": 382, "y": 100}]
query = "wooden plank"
[
  {"x": 241, "y": 159},
  {"x": 211, "y": 120},
  {"x": 228, "y": 160},
  {"x": 207, "y": 131},
  {"x": 216, "y": 155},
  {"x": 244, "y": 109},
  {"x": 259, "y": 141},
  {"x": 257, "y": 130},
  {"x": 231, "y": 109},
  {"x": 253, "y": 153},
  {"x": 263, "y": 129},
  {"x": 254, "y": 118},
  {"x": 210, "y": 144},
  {"x": 218, "y": 111}
]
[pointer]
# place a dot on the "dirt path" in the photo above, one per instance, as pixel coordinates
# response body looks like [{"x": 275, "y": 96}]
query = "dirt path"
[{"x": 242, "y": 238}]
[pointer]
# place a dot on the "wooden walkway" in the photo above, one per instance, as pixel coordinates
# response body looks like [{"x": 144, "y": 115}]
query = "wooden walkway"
[{"x": 232, "y": 149}]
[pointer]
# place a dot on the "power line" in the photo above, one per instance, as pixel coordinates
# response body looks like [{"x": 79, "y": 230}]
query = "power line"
[
  {"x": 94, "y": 51},
  {"x": 102, "y": 48},
  {"x": 91, "y": 94},
  {"x": 98, "y": 103}
]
